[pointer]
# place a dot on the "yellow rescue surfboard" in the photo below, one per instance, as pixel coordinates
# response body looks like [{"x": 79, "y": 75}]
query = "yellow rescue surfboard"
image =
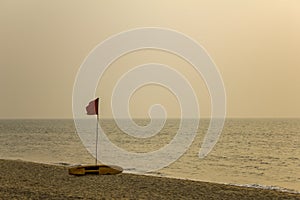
[{"x": 95, "y": 169}]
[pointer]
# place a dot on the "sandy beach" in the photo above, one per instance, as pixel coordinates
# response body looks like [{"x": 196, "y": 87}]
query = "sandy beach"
[{"x": 26, "y": 180}]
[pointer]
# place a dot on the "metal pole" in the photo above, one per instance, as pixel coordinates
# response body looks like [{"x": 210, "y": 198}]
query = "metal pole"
[{"x": 97, "y": 140}]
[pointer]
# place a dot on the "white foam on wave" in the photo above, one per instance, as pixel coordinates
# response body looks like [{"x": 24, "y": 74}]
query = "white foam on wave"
[{"x": 267, "y": 187}]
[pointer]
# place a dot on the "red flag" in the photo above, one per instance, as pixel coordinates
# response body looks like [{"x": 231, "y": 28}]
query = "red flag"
[{"x": 92, "y": 108}]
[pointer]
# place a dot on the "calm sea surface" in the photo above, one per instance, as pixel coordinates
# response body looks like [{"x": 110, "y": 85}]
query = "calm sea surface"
[{"x": 254, "y": 152}]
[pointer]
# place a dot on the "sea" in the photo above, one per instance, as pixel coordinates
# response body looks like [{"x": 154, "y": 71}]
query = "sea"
[{"x": 262, "y": 153}]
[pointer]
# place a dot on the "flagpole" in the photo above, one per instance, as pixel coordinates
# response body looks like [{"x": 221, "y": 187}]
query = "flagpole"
[{"x": 96, "y": 159}]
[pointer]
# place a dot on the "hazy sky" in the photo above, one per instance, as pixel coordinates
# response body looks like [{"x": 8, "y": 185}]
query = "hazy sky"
[{"x": 255, "y": 44}]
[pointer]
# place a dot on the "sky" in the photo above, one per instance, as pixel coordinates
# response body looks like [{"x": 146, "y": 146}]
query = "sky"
[{"x": 255, "y": 45}]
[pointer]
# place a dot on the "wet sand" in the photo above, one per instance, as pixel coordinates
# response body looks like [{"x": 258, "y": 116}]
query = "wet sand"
[{"x": 25, "y": 180}]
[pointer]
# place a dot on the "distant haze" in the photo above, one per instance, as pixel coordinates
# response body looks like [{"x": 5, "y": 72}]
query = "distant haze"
[{"x": 255, "y": 44}]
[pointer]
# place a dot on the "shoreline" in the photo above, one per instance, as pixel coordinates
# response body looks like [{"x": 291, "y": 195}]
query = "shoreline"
[
  {"x": 31, "y": 180},
  {"x": 253, "y": 185}
]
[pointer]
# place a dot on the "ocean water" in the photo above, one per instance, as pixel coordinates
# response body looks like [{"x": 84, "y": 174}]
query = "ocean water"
[{"x": 251, "y": 152}]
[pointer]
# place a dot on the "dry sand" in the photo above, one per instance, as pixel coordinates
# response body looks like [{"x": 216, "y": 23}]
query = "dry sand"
[{"x": 25, "y": 180}]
